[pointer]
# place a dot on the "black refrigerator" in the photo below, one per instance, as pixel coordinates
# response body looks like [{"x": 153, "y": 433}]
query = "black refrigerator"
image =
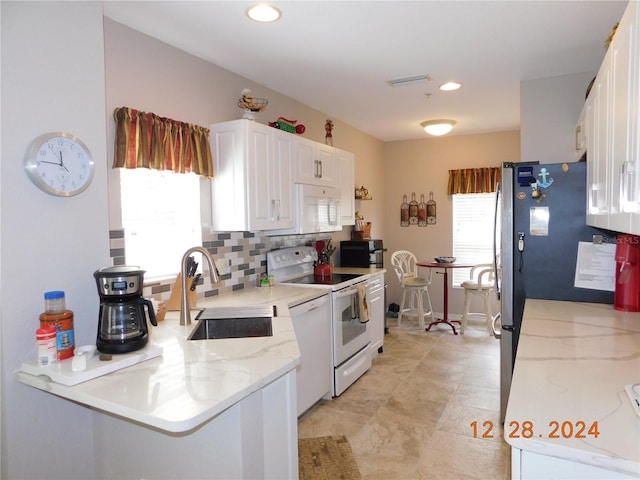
[{"x": 540, "y": 218}]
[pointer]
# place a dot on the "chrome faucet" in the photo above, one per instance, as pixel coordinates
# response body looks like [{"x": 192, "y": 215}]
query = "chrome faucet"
[{"x": 185, "y": 312}]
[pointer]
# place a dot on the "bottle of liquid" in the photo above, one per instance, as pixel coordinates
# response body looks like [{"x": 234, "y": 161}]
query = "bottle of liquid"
[
  {"x": 422, "y": 212},
  {"x": 431, "y": 210},
  {"x": 56, "y": 315},
  {"x": 404, "y": 212},
  {"x": 413, "y": 210}
]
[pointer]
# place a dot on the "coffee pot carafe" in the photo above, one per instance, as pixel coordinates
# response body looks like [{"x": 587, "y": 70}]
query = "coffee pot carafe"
[{"x": 122, "y": 322}]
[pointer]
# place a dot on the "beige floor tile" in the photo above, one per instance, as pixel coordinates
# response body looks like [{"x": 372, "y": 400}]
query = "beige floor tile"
[
  {"x": 460, "y": 456},
  {"x": 471, "y": 422},
  {"x": 479, "y": 397}
]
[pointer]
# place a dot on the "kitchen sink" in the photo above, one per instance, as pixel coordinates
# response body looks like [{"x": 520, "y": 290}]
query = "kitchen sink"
[{"x": 233, "y": 323}]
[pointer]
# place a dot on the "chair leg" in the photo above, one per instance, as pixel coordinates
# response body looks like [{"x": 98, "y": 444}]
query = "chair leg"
[
  {"x": 465, "y": 311},
  {"x": 488, "y": 312},
  {"x": 430, "y": 311},
  {"x": 404, "y": 297},
  {"x": 420, "y": 308}
]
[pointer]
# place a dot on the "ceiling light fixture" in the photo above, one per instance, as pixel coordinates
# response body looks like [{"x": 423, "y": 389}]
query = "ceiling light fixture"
[
  {"x": 438, "y": 127},
  {"x": 263, "y": 12},
  {"x": 399, "y": 82},
  {"x": 450, "y": 86}
]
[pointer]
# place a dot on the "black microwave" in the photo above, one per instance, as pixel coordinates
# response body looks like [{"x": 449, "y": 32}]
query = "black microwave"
[{"x": 361, "y": 253}]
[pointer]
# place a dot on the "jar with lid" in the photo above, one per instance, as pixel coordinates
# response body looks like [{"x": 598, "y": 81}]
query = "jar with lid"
[{"x": 56, "y": 315}]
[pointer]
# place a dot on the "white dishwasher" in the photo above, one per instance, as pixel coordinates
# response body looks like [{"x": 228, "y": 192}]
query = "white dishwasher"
[{"x": 314, "y": 375}]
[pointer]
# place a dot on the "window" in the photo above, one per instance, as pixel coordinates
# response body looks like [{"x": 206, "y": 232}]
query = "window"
[
  {"x": 473, "y": 233},
  {"x": 161, "y": 218}
]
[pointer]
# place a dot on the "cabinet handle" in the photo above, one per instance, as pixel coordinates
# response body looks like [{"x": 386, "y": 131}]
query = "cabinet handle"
[
  {"x": 578, "y": 137},
  {"x": 316, "y": 164},
  {"x": 275, "y": 210},
  {"x": 320, "y": 164}
]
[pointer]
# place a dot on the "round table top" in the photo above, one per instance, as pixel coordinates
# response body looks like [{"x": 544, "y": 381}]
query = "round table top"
[{"x": 444, "y": 265}]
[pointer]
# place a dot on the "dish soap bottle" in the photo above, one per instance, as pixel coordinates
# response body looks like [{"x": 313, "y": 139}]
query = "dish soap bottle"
[{"x": 56, "y": 315}]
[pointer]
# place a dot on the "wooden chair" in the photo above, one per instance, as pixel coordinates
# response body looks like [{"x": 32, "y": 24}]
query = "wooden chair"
[{"x": 414, "y": 288}]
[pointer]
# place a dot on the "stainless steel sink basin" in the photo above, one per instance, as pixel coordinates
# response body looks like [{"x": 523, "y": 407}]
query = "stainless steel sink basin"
[{"x": 233, "y": 323}]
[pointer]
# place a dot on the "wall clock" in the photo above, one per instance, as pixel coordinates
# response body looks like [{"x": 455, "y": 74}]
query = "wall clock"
[{"x": 59, "y": 164}]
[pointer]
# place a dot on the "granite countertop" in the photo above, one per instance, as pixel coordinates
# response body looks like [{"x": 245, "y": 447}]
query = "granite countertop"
[
  {"x": 573, "y": 362},
  {"x": 193, "y": 381}
]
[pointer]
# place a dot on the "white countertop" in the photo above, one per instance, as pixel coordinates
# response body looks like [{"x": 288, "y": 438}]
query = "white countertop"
[
  {"x": 573, "y": 362},
  {"x": 193, "y": 381}
]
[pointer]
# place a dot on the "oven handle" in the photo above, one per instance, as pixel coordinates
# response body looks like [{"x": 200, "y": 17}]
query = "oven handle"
[{"x": 350, "y": 291}]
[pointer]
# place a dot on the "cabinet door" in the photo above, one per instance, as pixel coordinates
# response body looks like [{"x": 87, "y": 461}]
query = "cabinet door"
[
  {"x": 259, "y": 164},
  {"x": 282, "y": 179},
  {"x": 376, "y": 314},
  {"x": 345, "y": 163},
  {"x": 315, "y": 163},
  {"x": 252, "y": 188},
  {"x": 624, "y": 168},
  {"x": 600, "y": 153}
]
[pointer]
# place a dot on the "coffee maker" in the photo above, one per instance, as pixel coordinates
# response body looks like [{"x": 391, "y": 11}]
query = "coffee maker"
[{"x": 122, "y": 322}]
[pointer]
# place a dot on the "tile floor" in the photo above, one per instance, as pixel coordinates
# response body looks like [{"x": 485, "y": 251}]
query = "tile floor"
[{"x": 409, "y": 416}]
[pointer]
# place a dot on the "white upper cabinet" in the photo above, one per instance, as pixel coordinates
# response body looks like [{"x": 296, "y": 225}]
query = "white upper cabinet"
[
  {"x": 315, "y": 163},
  {"x": 346, "y": 166},
  {"x": 252, "y": 187},
  {"x": 612, "y": 133}
]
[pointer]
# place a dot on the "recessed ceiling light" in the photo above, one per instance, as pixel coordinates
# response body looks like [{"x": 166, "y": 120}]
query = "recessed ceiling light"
[
  {"x": 438, "y": 127},
  {"x": 263, "y": 12},
  {"x": 449, "y": 86}
]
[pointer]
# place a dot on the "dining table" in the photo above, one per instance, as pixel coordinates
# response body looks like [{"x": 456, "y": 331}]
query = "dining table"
[{"x": 445, "y": 313}]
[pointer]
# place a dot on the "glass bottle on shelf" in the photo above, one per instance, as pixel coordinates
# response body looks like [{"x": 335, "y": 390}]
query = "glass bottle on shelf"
[
  {"x": 422, "y": 212},
  {"x": 413, "y": 210},
  {"x": 404, "y": 212},
  {"x": 431, "y": 210}
]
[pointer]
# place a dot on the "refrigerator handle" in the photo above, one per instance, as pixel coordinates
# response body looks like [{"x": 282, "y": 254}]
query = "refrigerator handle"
[{"x": 496, "y": 267}]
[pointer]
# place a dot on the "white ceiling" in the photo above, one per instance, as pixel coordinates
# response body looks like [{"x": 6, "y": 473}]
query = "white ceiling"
[{"x": 337, "y": 56}]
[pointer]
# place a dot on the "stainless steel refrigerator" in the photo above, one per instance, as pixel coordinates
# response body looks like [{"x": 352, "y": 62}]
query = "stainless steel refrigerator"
[{"x": 540, "y": 218}]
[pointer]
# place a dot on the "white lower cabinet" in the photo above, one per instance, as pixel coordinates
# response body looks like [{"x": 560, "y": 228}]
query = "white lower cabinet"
[
  {"x": 376, "y": 313},
  {"x": 534, "y": 466},
  {"x": 254, "y": 438},
  {"x": 312, "y": 324},
  {"x": 252, "y": 187}
]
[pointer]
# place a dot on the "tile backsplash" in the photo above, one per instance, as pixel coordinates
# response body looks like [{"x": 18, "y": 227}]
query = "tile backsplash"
[{"x": 246, "y": 252}]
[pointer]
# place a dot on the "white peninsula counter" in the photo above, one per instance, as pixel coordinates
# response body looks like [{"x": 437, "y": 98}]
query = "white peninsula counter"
[
  {"x": 207, "y": 408},
  {"x": 568, "y": 415}
]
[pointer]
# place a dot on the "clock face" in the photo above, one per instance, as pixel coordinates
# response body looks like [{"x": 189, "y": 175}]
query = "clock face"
[{"x": 59, "y": 164}]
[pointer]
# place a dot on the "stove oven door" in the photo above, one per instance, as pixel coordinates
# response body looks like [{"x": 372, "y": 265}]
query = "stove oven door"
[{"x": 350, "y": 336}]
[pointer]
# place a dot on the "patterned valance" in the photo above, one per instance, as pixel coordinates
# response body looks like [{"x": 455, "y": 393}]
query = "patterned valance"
[
  {"x": 474, "y": 180},
  {"x": 150, "y": 141}
]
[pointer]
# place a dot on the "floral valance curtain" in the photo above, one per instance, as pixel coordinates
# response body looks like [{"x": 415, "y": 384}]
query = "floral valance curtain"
[
  {"x": 150, "y": 141},
  {"x": 474, "y": 180}
]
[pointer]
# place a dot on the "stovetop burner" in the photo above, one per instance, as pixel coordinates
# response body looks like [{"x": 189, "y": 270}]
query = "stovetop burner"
[{"x": 295, "y": 266}]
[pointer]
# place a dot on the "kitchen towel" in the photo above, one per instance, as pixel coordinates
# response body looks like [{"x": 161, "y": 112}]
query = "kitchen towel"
[{"x": 363, "y": 308}]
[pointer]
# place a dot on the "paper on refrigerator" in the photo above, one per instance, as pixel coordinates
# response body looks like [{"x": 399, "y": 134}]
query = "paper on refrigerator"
[{"x": 596, "y": 266}]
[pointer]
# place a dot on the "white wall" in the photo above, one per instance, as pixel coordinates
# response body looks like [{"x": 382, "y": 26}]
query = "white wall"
[
  {"x": 549, "y": 110},
  {"x": 52, "y": 80}
]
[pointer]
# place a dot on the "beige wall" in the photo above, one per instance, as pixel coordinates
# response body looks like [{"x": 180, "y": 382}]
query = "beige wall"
[{"x": 422, "y": 166}]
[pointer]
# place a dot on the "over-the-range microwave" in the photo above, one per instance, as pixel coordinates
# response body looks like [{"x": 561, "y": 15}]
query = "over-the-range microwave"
[{"x": 317, "y": 209}]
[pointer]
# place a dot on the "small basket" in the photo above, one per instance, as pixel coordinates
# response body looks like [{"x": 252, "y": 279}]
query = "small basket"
[{"x": 364, "y": 234}]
